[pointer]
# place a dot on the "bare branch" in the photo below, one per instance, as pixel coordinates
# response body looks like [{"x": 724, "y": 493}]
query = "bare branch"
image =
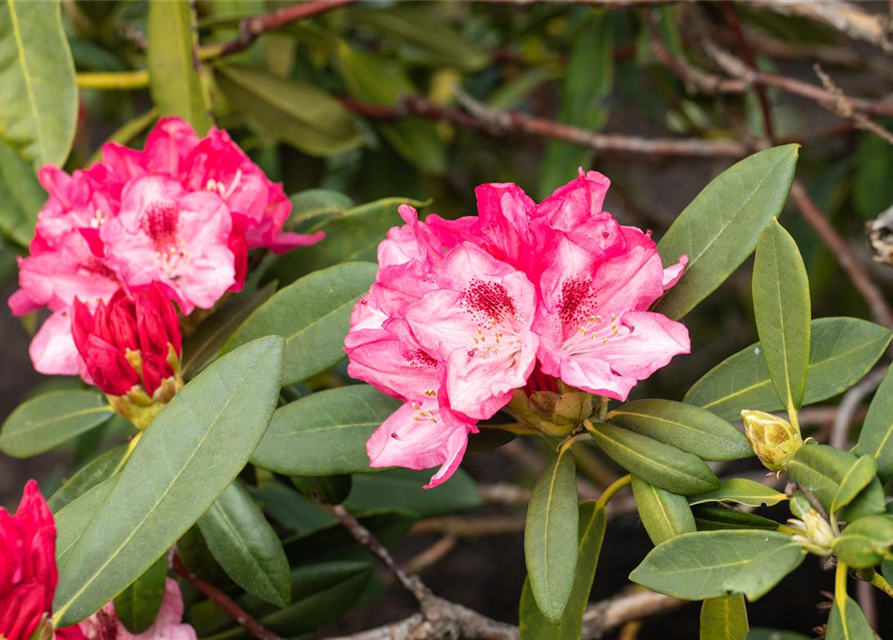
[
  {"x": 843, "y": 106},
  {"x": 850, "y": 404}
]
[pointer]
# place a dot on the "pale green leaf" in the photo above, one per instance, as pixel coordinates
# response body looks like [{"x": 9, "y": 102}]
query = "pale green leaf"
[
  {"x": 876, "y": 437},
  {"x": 724, "y": 618},
  {"x": 741, "y": 491},
  {"x": 664, "y": 515}
]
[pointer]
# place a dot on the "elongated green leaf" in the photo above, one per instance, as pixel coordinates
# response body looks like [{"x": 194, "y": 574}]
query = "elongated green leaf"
[
  {"x": 857, "y": 477},
  {"x": 93, "y": 473},
  {"x": 665, "y": 515},
  {"x": 21, "y": 196},
  {"x": 316, "y": 204},
  {"x": 324, "y": 433},
  {"x": 865, "y": 542},
  {"x": 39, "y": 103},
  {"x": 313, "y": 315},
  {"x": 781, "y": 306},
  {"x": 657, "y": 463},
  {"x": 200, "y": 348},
  {"x": 534, "y": 625},
  {"x": 550, "y": 536},
  {"x": 724, "y": 618},
  {"x": 876, "y": 438},
  {"x": 74, "y": 518},
  {"x": 192, "y": 452},
  {"x": 373, "y": 80},
  {"x": 709, "y": 518},
  {"x": 404, "y": 489},
  {"x": 842, "y": 350},
  {"x": 138, "y": 605},
  {"x": 290, "y": 509},
  {"x": 50, "y": 419},
  {"x": 296, "y": 113},
  {"x": 849, "y": 624},
  {"x": 352, "y": 235},
  {"x": 246, "y": 547},
  {"x": 721, "y": 226},
  {"x": 685, "y": 426},
  {"x": 741, "y": 491},
  {"x": 712, "y": 564},
  {"x": 173, "y": 78}
]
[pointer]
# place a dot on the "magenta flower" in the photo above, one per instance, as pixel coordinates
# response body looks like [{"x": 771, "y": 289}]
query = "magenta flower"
[{"x": 465, "y": 314}]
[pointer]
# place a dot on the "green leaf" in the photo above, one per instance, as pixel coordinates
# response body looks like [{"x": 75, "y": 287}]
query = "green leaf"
[
  {"x": 93, "y": 473},
  {"x": 781, "y": 307},
  {"x": 665, "y": 515},
  {"x": 821, "y": 469},
  {"x": 21, "y": 197},
  {"x": 74, "y": 518},
  {"x": 50, "y": 419},
  {"x": 534, "y": 625},
  {"x": 317, "y": 203},
  {"x": 876, "y": 438},
  {"x": 721, "y": 226},
  {"x": 313, "y": 315},
  {"x": 841, "y": 352},
  {"x": 657, "y": 463},
  {"x": 203, "y": 346},
  {"x": 741, "y": 491},
  {"x": 850, "y": 624},
  {"x": 712, "y": 564},
  {"x": 588, "y": 80},
  {"x": 403, "y": 489},
  {"x": 550, "y": 535},
  {"x": 39, "y": 103},
  {"x": 372, "y": 79},
  {"x": 872, "y": 175},
  {"x": 724, "y": 618},
  {"x": 724, "y": 518},
  {"x": 290, "y": 509},
  {"x": 424, "y": 37},
  {"x": 138, "y": 605},
  {"x": 353, "y": 235},
  {"x": 864, "y": 543},
  {"x": 290, "y": 111},
  {"x": 194, "y": 449},
  {"x": 173, "y": 78},
  {"x": 325, "y": 489},
  {"x": 324, "y": 433},
  {"x": 685, "y": 426},
  {"x": 246, "y": 547},
  {"x": 854, "y": 481}
]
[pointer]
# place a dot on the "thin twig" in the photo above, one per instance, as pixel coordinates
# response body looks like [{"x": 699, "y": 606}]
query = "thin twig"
[
  {"x": 811, "y": 499},
  {"x": 470, "y": 527},
  {"x": 505, "y": 493},
  {"x": 843, "y": 107},
  {"x": 432, "y": 555},
  {"x": 226, "y": 604},
  {"x": 867, "y": 602},
  {"x": 850, "y": 404}
]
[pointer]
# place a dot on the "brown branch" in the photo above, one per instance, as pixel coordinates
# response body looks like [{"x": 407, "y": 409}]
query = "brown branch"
[
  {"x": 843, "y": 107},
  {"x": 226, "y": 604},
  {"x": 432, "y": 555},
  {"x": 470, "y": 527},
  {"x": 850, "y": 404},
  {"x": 250, "y": 29},
  {"x": 810, "y": 498}
]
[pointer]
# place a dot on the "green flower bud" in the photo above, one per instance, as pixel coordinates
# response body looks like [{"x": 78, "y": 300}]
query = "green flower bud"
[
  {"x": 817, "y": 535},
  {"x": 773, "y": 439},
  {"x": 551, "y": 413}
]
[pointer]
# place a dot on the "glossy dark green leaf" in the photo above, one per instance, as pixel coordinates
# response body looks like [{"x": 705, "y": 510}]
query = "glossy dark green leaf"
[
  {"x": 246, "y": 547},
  {"x": 313, "y": 315},
  {"x": 324, "y": 433},
  {"x": 721, "y": 226},
  {"x": 325, "y": 489},
  {"x": 550, "y": 536},
  {"x": 534, "y": 625},
  {"x": 352, "y": 235},
  {"x": 372, "y": 79},
  {"x": 657, "y": 463},
  {"x": 841, "y": 352},
  {"x": 664, "y": 515},
  {"x": 194, "y": 449},
  {"x": 290, "y": 509},
  {"x": 782, "y": 309},
  {"x": 403, "y": 489},
  {"x": 50, "y": 419},
  {"x": 685, "y": 426},
  {"x": 173, "y": 78},
  {"x": 876, "y": 437},
  {"x": 721, "y": 519},
  {"x": 712, "y": 564},
  {"x": 724, "y": 618},
  {"x": 293, "y": 112},
  {"x": 200, "y": 348},
  {"x": 21, "y": 196},
  {"x": 864, "y": 543},
  {"x": 741, "y": 491},
  {"x": 138, "y": 605},
  {"x": 849, "y": 624},
  {"x": 39, "y": 103},
  {"x": 857, "y": 477},
  {"x": 90, "y": 475}
]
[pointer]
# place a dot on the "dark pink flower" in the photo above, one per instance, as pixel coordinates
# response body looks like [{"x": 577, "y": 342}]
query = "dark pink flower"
[{"x": 168, "y": 625}]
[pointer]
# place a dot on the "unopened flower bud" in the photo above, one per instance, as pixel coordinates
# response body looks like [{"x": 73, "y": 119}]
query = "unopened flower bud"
[
  {"x": 773, "y": 439},
  {"x": 816, "y": 535},
  {"x": 550, "y": 412}
]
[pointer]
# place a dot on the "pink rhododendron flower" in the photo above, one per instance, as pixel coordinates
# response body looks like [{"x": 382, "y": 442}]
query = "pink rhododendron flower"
[
  {"x": 465, "y": 312},
  {"x": 168, "y": 625}
]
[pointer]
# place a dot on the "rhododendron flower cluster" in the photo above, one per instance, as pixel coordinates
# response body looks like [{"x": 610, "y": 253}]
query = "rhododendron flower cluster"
[
  {"x": 182, "y": 213},
  {"x": 466, "y": 314}
]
